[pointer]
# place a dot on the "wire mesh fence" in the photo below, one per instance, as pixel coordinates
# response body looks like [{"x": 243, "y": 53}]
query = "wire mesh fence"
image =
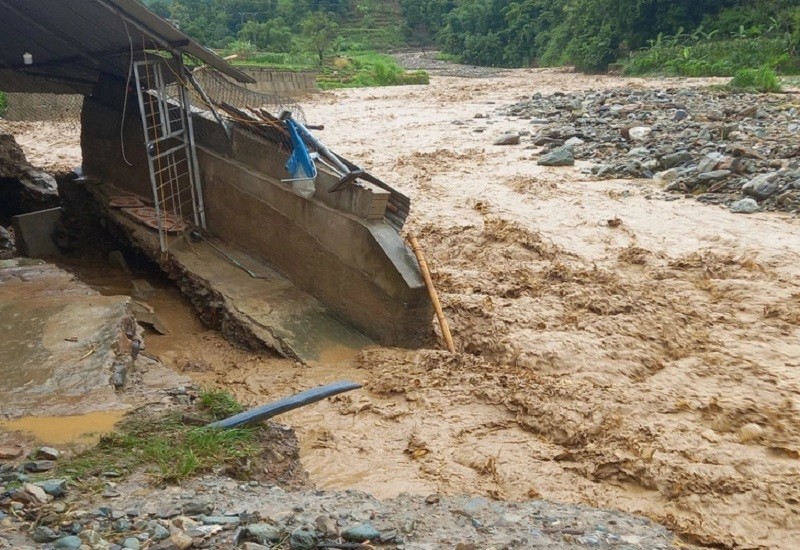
[
  {"x": 61, "y": 109},
  {"x": 219, "y": 89}
]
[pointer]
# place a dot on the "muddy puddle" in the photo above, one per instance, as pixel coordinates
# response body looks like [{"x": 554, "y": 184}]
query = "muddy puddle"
[{"x": 82, "y": 429}]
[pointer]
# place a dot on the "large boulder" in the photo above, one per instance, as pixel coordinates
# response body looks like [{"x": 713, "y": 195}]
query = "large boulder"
[{"x": 762, "y": 186}]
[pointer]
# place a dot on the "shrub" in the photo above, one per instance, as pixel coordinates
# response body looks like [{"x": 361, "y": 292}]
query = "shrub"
[{"x": 756, "y": 80}]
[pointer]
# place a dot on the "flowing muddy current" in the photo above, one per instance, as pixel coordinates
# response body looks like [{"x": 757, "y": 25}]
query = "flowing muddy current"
[{"x": 614, "y": 349}]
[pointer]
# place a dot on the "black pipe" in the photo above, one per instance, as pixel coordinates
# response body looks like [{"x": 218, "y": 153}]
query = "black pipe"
[{"x": 284, "y": 405}]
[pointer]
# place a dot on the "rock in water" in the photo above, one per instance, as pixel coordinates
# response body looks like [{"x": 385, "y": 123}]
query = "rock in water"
[
  {"x": 744, "y": 206},
  {"x": 561, "y": 156}
]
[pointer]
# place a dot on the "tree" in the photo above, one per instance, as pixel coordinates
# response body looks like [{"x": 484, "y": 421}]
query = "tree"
[{"x": 320, "y": 30}]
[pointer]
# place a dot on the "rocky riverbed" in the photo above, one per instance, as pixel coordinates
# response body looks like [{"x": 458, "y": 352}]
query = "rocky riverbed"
[
  {"x": 740, "y": 150},
  {"x": 219, "y": 512}
]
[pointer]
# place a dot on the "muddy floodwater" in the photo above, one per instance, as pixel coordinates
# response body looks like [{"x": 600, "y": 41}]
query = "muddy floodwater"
[{"x": 650, "y": 365}]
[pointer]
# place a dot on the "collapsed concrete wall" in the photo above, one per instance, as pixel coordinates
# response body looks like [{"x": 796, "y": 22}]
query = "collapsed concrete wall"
[{"x": 336, "y": 246}]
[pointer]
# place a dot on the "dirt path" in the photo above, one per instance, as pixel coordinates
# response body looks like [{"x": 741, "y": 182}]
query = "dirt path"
[{"x": 649, "y": 365}]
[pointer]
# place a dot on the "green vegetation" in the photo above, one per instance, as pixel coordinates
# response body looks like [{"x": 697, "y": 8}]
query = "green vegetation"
[
  {"x": 3, "y": 103},
  {"x": 712, "y": 57},
  {"x": 591, "y": 34},
  {"x": 166, "y": 447},
  {"x": 338, "y": 38},
  {"x": 367, "y": 69},
  {"x": 679, "y": 37},
  {"x": 756, "y": 80}
]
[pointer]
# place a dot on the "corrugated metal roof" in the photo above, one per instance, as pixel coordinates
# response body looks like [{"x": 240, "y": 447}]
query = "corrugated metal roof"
[{"x": 72, "y": 40}]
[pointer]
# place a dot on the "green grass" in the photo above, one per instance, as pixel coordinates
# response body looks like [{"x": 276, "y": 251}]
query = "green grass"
[
  {"x": 165, "y": 447},
  {"x": 348, "y": 69},
  {"x": 3, "y": 103},
  {"x": 762, "y": 80},
  {"x": 365, "y": 69},
  {"x": 219, "y": 403},
  {"x": 713, "y": 57}
]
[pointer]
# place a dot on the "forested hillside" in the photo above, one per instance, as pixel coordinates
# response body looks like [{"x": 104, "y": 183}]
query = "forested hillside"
[
  {"x": 591, "y": 34},
  {"x": 686, "y": 37}
]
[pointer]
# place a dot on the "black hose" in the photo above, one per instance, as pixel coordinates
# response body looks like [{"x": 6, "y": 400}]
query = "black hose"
[{"x": 284, "y": 405}]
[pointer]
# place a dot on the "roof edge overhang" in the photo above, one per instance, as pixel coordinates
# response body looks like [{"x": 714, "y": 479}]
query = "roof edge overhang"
[{"x": 170, "y": 38}]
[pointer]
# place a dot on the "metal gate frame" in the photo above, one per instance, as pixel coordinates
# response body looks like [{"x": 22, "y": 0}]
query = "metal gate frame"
[{"x": 169, "y": 143}]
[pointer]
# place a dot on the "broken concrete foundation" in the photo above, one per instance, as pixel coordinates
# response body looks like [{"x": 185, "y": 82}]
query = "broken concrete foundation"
[
  {"x": 336, "y": 250},
  {"x": 34, "y": 233}
]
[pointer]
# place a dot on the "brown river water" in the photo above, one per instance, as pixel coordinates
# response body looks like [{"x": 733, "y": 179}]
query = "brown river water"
[{"x": 652, "y": 366}]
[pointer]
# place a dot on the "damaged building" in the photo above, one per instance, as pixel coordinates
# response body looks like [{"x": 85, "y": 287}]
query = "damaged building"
[{"x": 277, "y": 241}]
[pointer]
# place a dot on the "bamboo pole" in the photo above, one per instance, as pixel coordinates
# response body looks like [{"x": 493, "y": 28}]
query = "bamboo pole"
[{"x": 423, "y": 267}]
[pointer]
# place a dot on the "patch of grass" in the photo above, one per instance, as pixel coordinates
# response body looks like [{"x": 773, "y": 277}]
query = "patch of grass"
[
  {"x": 762, "y": 80},
  {"x": 165, "y": 447},
  {"x": 219, "y": 403},
  {"x": 3, "y": 103},
  {"x": 365, "y": 69}
]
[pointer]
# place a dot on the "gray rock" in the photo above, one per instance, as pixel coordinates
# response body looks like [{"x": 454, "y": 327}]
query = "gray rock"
[
  {"x": 48, "y": 453},
  {"x": 508, "y": 139},
  {"x": 6, "y": 240},
  {"x": 666, "y": 175},
  {"x": 39, "y": 466},
  {"x": 640, "y": 133},
  {"x": 674, "y": 159},
  {"x": 53, "y": 487},
  {"x": 326, "y": 525},
  {"x": 218, "y": 520},
  {"x": 303, "y": 539},
  {"x": 709, "y": 162},
  {"x": 71, "y": 542},
  {"x": 121, "y": 525},
  {"x": 195, "y": 507},
  {"x": 573, "y": 141},
  {"x": 679, "y": 115},
  {"x": 360, "y": 533},
  {"x": 744, "y": 206},
  {"x": 132, "y": 543},
  {"x": 715, "y": 175},
  {"x": 762, "y": 186},
  {"x": 40, "y": 185},
  {"x": 557, "y": 157},
  {"x": 43, "y": 534},
  {"x": 158, "y": 531},
  {"x": 262, "y": 533}
]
